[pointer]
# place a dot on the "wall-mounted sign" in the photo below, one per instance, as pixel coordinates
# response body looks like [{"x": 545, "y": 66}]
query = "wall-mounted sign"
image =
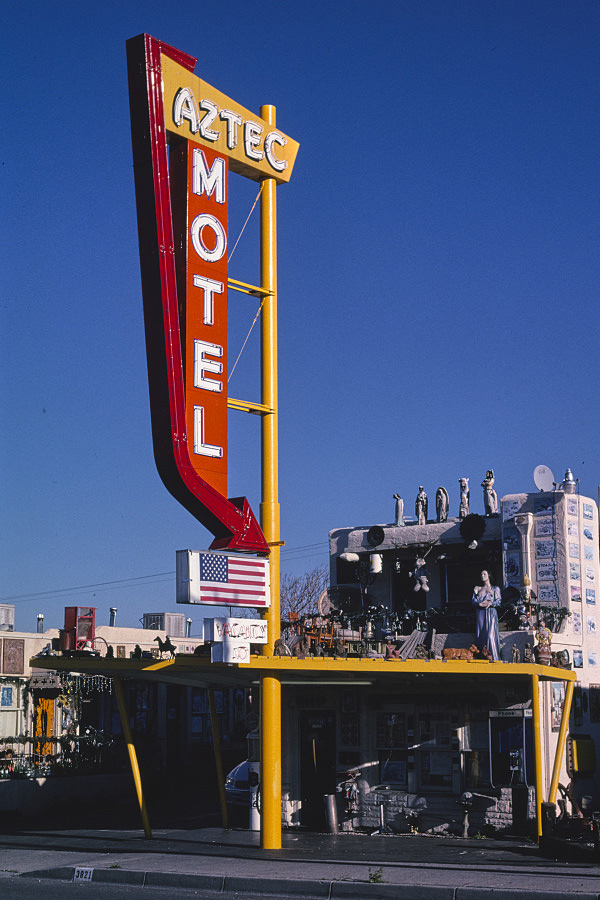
[
  {"x": 186, "y": 135},
  {"x": 222, "y": 579},
  {"x": 229, "y": 630},
  {"x": 231, "y": 638}
]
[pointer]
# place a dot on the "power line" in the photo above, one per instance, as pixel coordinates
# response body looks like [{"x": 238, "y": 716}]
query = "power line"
[
  {"x": 106, "y": 585},
  {"x": 304, "y": 551}
]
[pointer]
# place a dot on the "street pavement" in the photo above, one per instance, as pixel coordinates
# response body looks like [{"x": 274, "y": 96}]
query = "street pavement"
[{"x": 230, "y": 863}]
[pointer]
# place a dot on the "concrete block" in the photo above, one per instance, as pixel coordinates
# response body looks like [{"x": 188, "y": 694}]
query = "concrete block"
[
  {"x": 279, "y": 886},
  {"x": 118, "y": 876},
  {"x": 215, "y": 883},
  {"x": 472, "y": 893},
  {"x": 62, "y": 873},
  {"x": 341, "y": 890}
]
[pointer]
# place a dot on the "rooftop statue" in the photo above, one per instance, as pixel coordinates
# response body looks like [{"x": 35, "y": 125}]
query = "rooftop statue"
[
  {"x": 442, "y": 502},
  {"x": 399, "y": 510},
  {"x": 421, "y": 506},
  {"x": 463, "y": 510},
  {"x": 490, "y": 498}
]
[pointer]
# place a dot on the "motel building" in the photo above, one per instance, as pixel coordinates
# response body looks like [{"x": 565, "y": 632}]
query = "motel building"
[{"x": 416, "y": 740}]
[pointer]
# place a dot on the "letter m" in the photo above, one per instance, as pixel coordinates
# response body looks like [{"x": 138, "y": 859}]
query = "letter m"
[{"x": 208, "y": 181}]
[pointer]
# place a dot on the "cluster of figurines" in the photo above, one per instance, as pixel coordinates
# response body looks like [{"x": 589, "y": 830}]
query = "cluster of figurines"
[{"x": 442, "y": 501}]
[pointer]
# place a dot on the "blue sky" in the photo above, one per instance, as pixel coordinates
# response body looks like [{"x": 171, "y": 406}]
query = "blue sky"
[{"x": 438, "y": 274}]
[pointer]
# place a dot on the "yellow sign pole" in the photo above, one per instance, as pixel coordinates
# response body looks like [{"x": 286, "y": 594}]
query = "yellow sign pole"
[
  {"x": 537, "y": 750},
  {"x": 270, "y": 778}
]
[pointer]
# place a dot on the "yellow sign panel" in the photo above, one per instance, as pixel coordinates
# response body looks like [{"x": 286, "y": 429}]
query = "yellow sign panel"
[{"x": 202, "y": 114}]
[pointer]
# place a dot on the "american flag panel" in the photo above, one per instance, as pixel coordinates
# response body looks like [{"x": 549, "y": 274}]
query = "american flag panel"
[
  {"x": 228, "y": 580},
  {"x": 222, "y": 579}
]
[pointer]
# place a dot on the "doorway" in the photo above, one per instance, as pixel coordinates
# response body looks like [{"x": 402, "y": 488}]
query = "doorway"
[{"x": 317, "y": 765}]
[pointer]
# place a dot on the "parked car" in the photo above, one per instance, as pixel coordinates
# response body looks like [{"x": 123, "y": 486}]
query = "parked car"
[{"x": 237, "y": 793}]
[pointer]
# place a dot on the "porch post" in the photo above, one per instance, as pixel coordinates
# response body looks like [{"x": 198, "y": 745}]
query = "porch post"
[
  {"x": 135, "y": 769},
  {"x": 214, "y": 724},
  {"x": 537, "y": 749},
  {"x": 562, "y": 740}
]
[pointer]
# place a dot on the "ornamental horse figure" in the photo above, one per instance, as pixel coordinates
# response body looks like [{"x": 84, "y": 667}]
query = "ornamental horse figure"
[{"x": 165, "y": 646}]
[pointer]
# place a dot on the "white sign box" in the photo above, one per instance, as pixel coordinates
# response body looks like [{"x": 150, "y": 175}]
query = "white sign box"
[
  {"x": 229, "y": 631},
  {"x": 230, "y": 653}
]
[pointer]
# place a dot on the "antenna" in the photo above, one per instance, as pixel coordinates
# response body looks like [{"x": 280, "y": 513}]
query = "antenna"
[{"x": 543, "y": 478}]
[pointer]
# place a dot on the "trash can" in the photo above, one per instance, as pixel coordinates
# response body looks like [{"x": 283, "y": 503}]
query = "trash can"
[{"x": 331, "y": 813}]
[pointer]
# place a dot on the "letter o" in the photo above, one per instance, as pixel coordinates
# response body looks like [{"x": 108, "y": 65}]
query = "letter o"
[{"x": 204, "y": 220}]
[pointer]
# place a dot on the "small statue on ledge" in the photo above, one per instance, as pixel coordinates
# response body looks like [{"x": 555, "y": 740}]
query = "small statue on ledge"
[
  {"x": 516, "y": 655},
  {"x": 391, "y": 651},
  {"x": 421, "y": 506},
  {"x": 399, "y": 510},
  {"x": 463, "y": 510},
  {"x": 490, "y": 497},
  {"x": 442, "y": 502},
  {"x": 543, "y": 650},
  {"x": 486, "y": 598}
]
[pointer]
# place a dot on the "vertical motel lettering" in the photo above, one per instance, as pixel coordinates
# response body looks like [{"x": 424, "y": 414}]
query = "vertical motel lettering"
[{"x": 206, "y": 315}]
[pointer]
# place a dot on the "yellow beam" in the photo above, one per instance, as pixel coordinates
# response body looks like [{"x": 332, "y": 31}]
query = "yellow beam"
[
  {"x": 244, "y": 288},
  {"x": 382, "y": 667},
  {"x": 135, "y": 769},
  {"x": 258, "y": 409},
  {"x": 190, "y": 669},
  {"x": 562, "y": 739},
  {"x": 214, "y": 723},
  {"x": 537, "y": 749},
  {"x": 270, "y": 820}
]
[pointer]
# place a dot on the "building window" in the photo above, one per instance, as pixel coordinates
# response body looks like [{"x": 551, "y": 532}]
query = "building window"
[
  {"x": 434, "y": 750},
  {"x": 349, "y": 730},
  {"x": 390, "y": 739}
]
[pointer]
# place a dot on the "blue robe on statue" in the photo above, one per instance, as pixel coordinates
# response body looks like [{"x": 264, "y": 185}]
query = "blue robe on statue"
[{"x": 486, "y": 621}]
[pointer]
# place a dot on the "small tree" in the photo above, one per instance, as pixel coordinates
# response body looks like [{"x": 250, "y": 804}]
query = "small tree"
[{"x": 300, "y": 593}]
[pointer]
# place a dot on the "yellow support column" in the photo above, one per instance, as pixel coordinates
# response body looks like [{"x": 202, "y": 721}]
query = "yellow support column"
[
  {"x": 537, "y": 750},
  {"x": 132, "y": 755},
  {"x": 214, "y": 724},
  {"x": 562, "y": 739},
  {"x": 270, "y": 778}
]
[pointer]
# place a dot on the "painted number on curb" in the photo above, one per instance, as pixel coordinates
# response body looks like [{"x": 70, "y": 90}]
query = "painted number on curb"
[{"x": 83, "y": 873}]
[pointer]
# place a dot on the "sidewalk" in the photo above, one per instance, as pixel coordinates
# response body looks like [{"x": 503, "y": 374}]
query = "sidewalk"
[{"x": 419, "y": 867}]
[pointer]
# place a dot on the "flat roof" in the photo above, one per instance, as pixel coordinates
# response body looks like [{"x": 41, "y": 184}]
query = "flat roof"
[{"x": 201, "y": 672}]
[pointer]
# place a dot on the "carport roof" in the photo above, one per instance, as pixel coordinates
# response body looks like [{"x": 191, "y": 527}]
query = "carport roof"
[{"x": 201, "y": 672}]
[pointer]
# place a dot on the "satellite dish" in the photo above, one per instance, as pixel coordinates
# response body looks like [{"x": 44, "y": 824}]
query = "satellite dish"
[
  {"x": 543, "y": 478},
  {"x": 324, "y": 604}
]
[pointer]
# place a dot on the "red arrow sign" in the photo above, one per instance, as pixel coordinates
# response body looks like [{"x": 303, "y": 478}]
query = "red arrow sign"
[{"x": 232, "y": 522}]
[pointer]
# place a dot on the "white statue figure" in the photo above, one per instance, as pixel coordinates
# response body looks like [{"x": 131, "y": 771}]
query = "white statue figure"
[
  {"x": 486, "y": 597},
  {"x": 421, "y": 506},
  {"x": 442, "y": 502},
  {"x": 490, "y": 497},
  {"x": 399, "y": 510},
  {"x": 463, "y": 510}
]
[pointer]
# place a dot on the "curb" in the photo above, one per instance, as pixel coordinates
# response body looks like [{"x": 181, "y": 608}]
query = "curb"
[{"x": 306, "y": 889}]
